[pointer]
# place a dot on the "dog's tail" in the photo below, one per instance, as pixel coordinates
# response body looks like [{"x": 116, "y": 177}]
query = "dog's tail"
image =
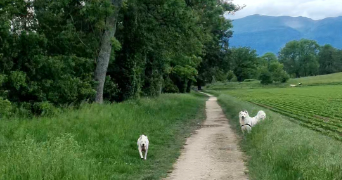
[{"x": 261, "y": 115}]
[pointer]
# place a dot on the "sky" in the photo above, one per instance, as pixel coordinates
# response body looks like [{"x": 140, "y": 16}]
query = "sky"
[{"x": 314, "y": 9}]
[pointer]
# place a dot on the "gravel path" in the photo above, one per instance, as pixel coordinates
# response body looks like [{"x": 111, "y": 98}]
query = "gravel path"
[{"x": 212, "y": 152}]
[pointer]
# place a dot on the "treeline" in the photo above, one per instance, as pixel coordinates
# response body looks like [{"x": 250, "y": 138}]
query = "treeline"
[
  {"x": 244, "y": 64},
  {"x": 297, "y": 59},
  {"x": 307, "y": 58},
  {"x": 56, "y": 53}
]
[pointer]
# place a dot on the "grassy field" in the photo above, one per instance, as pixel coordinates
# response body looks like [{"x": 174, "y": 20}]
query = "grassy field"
[
  {"x": 279, "y": 149},
  {"x": 330, "y": 79},
  {"x": 99, "y": 141}
]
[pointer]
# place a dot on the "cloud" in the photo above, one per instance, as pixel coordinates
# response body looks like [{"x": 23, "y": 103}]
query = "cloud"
[{"x": 314, "y": 9}]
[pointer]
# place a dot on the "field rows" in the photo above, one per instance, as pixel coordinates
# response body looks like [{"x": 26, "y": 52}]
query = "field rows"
[{"x": 318, "y": 108}]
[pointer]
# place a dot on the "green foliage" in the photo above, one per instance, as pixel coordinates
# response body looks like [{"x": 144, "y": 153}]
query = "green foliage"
[
  {"x": 169, "y": 86},
  {"x": 111, "y": 89},
  {"x": 49, "y": 57},
  {"x": 216, "y": 58},
  {"x": 99, "y": 141},
  {"x": 5, "y": 108},
  {"x": 244, "y": 63},
  {"x": 300, "y": 57},
  {"x": 44, "y": 109},
  {"x": 230, "y": 75},
  {"x": 330, "y": 60},
  {"x": 266, "y": 77},
  {"x": 277, "y": 71}
]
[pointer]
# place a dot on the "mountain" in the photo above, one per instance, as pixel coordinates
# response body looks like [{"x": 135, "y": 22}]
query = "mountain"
[{"x": 270, "y": 33}]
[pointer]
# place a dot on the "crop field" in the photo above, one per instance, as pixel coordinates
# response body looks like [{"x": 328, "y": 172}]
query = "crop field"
[{"x": 316, "y": 107}]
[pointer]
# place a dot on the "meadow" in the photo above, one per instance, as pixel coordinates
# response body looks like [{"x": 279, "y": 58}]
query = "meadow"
[
  {"x": 99, "y": 141},
  {"x": 277, "y": 148},
  {"x": 322, "y": 80}
]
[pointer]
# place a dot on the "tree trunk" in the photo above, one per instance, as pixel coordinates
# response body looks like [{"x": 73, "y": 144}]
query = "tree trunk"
[
  {"x": 105, "y": 51},
  {"x": 188, "y": 86},
  {"x": 199, "y": 87}
]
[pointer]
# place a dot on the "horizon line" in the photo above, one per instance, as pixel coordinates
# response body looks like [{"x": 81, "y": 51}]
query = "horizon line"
[{"x": 229, "y": 16}]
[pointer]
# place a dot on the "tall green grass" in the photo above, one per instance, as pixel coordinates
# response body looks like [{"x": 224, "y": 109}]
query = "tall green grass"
[
  {"x": 99, "y": 141},
  {"x": 278, "y": 149}
]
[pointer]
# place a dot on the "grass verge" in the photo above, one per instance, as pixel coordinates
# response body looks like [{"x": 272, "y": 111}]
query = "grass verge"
[
  {"x": 99, "y": 141},
  {"x": 280, "y": 150}
]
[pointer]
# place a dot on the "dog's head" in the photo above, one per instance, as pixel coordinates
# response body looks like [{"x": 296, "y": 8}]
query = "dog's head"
[
  {"x": 143, "y": 142},
  {"x": 243, "y": 114}
]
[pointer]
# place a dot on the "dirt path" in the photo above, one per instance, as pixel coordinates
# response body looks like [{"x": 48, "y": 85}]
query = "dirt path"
[{"x": 212, "y": 152}]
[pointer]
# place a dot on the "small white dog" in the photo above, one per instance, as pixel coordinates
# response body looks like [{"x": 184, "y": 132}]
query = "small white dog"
[
  {"x": 143, "y": 146},
  {"x": 247, "y": 122}
]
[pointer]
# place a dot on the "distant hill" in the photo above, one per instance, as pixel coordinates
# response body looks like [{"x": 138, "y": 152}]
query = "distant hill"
[{"x": 270, "y": 34}]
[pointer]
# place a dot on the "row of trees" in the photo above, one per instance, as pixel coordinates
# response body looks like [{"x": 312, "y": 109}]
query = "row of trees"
[
  {"x": 68, "y": 51},
  {"x": 306, "y": 58},
  {"x": 297, "y": 59},
  {"x": 244, "y": 63}
]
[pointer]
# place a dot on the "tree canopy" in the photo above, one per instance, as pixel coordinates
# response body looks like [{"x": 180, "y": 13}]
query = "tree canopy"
[{"x": 55, "y": 53}]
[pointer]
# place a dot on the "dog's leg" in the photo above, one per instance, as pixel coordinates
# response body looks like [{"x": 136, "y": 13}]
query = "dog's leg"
[
  {"x": 141, "y": 156},
  {"x": 146, "y": 153}
]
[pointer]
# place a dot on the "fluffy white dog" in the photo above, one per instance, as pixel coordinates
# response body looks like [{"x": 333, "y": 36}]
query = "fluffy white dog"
[
  {"x": 143, "y": 146},
  {"x": 247, "y": 122}
]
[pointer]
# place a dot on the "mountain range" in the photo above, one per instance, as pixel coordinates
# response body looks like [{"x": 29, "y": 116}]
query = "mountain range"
[{"x": 271, "y": 33}]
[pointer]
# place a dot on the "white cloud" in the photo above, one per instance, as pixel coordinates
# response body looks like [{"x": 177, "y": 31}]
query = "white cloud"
[{"x": 315, "y": 9}]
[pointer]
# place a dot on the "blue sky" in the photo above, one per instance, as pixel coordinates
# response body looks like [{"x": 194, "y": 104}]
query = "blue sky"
[{"x": 314, "y": 9}]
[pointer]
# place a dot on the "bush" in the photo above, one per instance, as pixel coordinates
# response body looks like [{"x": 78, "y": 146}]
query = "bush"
[
  {"x": 230, "y": 75},
  {"x": 234, "y": 79},
  {"x": 111, "y": 89},
  {"x": 169, "y": 86},
  {"x": 23, "y": 110},
  {"x": 266, "y": 77},
  {"x": 5, "y": 108},
  {"x": 285, "y": 77},
  {"x": 44, "y": 109}
]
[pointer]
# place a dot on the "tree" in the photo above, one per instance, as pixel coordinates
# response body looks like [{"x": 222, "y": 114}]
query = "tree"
[
  {"x": 106, "y": 49},
  {"x": 216, "y": 54},
  {"x": 269, "y": 65},
  {"x": 244, "y": 62},
  {"x": 267, "y": 58},
  {"x": 68, "y": 51},
  {"x": 328, "y": 60},
  {"x": 300, "y": 57},
  {"x": 277, "y": 71},
  {"x": 265, "y": 77},
  {"x": 337, "y": 56}
]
